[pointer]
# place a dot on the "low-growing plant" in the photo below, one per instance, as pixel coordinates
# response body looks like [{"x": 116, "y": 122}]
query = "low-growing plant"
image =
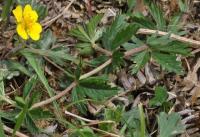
[{"x": 119, "y": 44}]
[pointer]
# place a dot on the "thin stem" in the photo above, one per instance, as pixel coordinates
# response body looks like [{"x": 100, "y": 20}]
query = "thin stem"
[
  {"x": 108, "y": 62},
  {"x": 97, "y": 48},
  {"x": 61, "y": 94},
  {"x": 134, "y": 51}
]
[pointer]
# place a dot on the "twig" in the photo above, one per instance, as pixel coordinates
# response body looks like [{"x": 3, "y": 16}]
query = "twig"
[
  {"x": 9, "y": 130},
  {"x": 105, "y": 132},
  {"x": 61, "y": 94},
  {"x": 195, "y": 43},
  {"x": 91, "y": 122},
  {"x": 48, "y": 23},
  {"x": 78, "y": 117}
]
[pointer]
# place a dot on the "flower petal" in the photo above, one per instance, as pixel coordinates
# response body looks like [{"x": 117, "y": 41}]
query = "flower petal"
[
  {"x": 21, "y": 31},
  {"x": 34, "y": 31},
  {"x": 29, "y": 14},
  {"x": 18, "y": 13}
]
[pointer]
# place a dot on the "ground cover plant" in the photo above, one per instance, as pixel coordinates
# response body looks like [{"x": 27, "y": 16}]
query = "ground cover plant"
[{"x": 124, "y": 68}]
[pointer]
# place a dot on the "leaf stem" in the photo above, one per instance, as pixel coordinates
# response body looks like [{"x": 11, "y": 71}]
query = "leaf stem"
[{"x": 61, "y": 94}]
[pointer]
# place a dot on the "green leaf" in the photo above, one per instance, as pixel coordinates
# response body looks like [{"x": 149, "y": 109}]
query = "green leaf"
[
  {"x": 175, "y": 24},
  {"x": 124, "y": 35},
  {"x": 39, "y": 113},
  {"x": 41, "y": 10},
  {"x": 38, "y": 69},
  {"x": 174, "y": 47},
  {"x": 6, "y": 9},
  {"x": 14, "y": 65},
  {"x": 131, "y": 4},
  {"x": 92, "y": 25},
  {"x": 30, "y": 125},
  {"x": 143, "y": 21},
  {"x": 9, "y": 115},
  {"x": 160, "y": 97},
  {"x": 80, "y": 34},
  {"x": 2, "y": 90},
  {"x": 158, "y": 16},
  {"x": 48, "y": 39},
  {"x": 170, "y": 125},
  {"x": 140, "y": 60},
  {"x": 168, "y": 62},
  {"x": 85, "y": 132},
  {"x": 20, "y": 119},
  {"x": 60, "y": 54},
  {"x": 95, "y": 88},
  {"x": 131, "y": 123},
  {"x": 29, "y": 86},
  {"x": 117, "y": 60},
  {"x": 113, "y": 114},
  {"x": 183, "y": 6},
  {"x": 111, "y": 32},
  {"x": 20, "y": 102},
  {"x": 78, "y": 94},
  {"x": 142, "y": 122},
  {"x": 1, "y": 129}
]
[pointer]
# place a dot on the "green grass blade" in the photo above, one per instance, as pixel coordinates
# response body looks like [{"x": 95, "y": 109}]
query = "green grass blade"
[
  {"x": 1, "y": 129},
  {"x": 6, "y": 9}
]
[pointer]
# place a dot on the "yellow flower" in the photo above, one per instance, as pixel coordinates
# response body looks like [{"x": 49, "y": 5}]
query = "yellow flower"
[{"x": 27, "y": 25}]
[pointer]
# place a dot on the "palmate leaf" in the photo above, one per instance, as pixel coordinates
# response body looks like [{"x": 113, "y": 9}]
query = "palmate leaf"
[
  {"x": 118, "y": 33},
  {"x": 111, "y": 32},
  {"x": 157, "y": 15},
  {"x": 92, "y": 25},
  {"x": 168, "y": 62},
  {"x": 140, "y": 60},
  {"x": 95, "y": 88},
  {"x": 160, "y": 97},
  {"x": 170, "y": 125},
  {"x": 124, "y": 35},
  {"x": 143, "y": 21},
  {"x": 88, "y": 33},
  {"x": 173, "y": 47}
]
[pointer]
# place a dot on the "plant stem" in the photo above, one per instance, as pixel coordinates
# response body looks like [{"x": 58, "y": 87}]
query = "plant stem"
[{"x": 61, "y": 94}]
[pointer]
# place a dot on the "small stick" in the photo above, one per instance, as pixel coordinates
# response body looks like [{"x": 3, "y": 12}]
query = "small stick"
[
  {"x": 48, "y": 23},
  {"x": 105, "y": 132},
  {"x": 195, "y": 43},
  {"x": 78, "y": 117},
  {"x": 9, "y": 130}
]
